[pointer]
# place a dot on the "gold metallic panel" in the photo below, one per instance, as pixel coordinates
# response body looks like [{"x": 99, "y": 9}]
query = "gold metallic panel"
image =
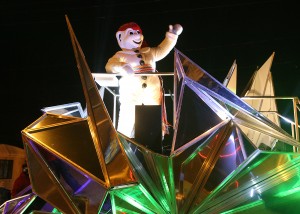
[
  {"x": 45, "y": 184},
  {"x": 103, "y": 133},
  {"x": 48, "y": 120},
  {"x": 66, "y": 141}
]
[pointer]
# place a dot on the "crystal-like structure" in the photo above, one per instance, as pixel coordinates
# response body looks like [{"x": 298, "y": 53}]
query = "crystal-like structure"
[{"x": 80, "y": 164}]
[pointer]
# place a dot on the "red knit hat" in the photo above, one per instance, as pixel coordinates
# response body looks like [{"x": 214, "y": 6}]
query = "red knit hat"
[{"x": 132, "y": 25}]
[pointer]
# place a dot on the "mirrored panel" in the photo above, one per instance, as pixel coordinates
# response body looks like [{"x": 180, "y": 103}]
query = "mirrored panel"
[
  {"x": 265, "y": 174},
  {"x": 45, "y": 184},
  {"x": 140, "y": 198},
  {"x": 70, "y": 109},
  {"x": 216, "y": 89},
  {"x": 67, "y": 141},
  {"x": 192, "y": 122}
]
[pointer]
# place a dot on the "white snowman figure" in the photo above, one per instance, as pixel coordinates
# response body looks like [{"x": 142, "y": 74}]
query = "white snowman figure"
[{"x": 134, "y": 58}]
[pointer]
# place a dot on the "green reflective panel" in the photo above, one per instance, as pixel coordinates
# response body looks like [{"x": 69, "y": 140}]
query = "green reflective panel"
[
  {"x": 163, "y": 178},
  {"x": 155, "y": 181},
  {"x": 152, "y": 171},
  {"x": 253, "y": 207},
  {"x": 283, "y": 147},
  {"x": 66, "y": 141},
  {"x": 56, "y": 211},
  {"x": 120, "y": 206},
  {"x": 262, "y": 175},
  {"x": 124, "y": 209},
  {"x": 284, "y": 202},
  {"x": 140, "y": 198}
]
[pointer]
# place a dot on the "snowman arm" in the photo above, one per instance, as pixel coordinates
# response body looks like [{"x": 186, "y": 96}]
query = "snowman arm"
[{"x": 164, "y": 48}]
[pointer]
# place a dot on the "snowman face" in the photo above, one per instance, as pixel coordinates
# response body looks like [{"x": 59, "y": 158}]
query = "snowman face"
[{"x": 130, "y": 39}]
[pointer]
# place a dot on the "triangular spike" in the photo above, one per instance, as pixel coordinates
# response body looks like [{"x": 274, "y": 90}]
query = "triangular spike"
[
  {"x": 240, "y": 110},
  {"x": 102, "y": 129},
  {"x": 231, "y": 79},
  {"x": 262, "y": 86},
  {"x": 259, "y": 84}
]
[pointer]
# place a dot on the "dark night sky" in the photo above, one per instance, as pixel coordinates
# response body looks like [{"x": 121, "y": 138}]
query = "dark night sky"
[{"x": 38, "y": 67}]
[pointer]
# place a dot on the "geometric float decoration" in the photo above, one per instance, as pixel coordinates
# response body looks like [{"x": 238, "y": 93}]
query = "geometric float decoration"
[{"x": 81, "y": 164}]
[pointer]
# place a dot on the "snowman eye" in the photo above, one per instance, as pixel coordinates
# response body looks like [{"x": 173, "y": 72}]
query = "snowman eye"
[
  {"x": 131, "y": 33},
  {"x": 138, "y": 32}
]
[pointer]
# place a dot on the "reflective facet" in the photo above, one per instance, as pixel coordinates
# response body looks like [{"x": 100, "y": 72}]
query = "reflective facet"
[{"x": 103, "y": 133}]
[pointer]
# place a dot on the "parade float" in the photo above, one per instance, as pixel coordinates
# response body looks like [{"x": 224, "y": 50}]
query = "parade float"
[{"x": 223, "y": 156}]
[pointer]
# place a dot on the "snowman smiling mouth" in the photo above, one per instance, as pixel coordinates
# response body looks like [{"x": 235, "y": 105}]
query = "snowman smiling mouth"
[{"x": 137, "y": 42}]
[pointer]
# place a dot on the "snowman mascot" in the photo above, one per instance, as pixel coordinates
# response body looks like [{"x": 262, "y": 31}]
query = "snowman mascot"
[{"x": 134, "y": 58}]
